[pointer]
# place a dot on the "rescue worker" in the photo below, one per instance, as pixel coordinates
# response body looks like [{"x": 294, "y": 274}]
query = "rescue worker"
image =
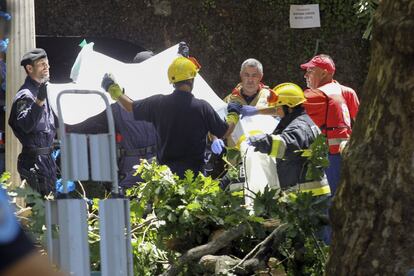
[
  {"x": 34, "y": 124},
  {"x": 18, "y": 255},
  {"x": 182, "y": 121},
  {"x": 250, "y": 92},
  {"x": 295, "y": 132},
  {"x": 333, "y": 107},
  {"x": 136, "y": 139}
]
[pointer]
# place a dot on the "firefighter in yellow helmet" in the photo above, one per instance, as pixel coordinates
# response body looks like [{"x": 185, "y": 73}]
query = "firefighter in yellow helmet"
[
  {"x": 181, "y": 121},
  {"x": 295, "y": 132}
]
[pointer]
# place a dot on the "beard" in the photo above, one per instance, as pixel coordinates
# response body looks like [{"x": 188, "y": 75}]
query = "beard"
[{"x": 45, "y": 78}]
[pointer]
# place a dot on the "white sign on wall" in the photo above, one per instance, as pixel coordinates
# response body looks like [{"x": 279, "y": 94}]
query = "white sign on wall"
[{"x": 304, "y": 16}]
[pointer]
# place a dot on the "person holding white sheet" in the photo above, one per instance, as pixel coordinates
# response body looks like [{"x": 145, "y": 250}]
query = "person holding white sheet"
[
  {"x": 136, "y": 139},
  {"x": 182, "y": 121},
  {"x": 295, "y": 133},
  {"x": 249, "y": 92}
]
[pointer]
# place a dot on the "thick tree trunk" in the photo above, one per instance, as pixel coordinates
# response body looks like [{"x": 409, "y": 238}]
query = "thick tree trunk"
[{"x": 373, "y": 214}]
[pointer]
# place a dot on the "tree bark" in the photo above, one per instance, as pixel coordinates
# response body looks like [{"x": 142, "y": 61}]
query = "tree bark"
[
  {"x": 252, "y": 262},
  {"x": 212, "y": 247},
  {"x": 372, "y": 214}
]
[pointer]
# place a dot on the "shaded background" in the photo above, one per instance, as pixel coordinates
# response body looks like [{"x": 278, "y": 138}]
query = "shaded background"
[{"x": 221, "y": 34}]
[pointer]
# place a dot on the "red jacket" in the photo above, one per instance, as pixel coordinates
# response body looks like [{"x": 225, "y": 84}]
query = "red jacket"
[{"x": 332, "y": 106}]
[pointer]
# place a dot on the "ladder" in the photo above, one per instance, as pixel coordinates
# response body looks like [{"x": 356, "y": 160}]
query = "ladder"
[{"x": 89, "y": 157}]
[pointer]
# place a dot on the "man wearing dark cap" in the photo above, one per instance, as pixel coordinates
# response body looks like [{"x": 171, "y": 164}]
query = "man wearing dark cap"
[
  {"x": 34, "y": 124},
  {"x": 332, "y": 106}
]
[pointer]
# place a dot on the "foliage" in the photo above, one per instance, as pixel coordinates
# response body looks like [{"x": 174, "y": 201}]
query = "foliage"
[
  {"x": 188, "y": 211},
  {"x": 366, "y": 9},
  {"x": 317, "y": 156},
  {"x": 302, "y": 252},
  {"x": 37, "y": 212},
  {"x": 190, "y": 208}
]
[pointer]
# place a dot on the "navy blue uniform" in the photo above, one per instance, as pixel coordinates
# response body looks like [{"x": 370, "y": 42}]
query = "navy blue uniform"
[
  {"x": 35, "y": 127},
  {"x": 182, "y": 123},
  {"x": 298, "y": 131},
  {"x": 138, "y": 139}
]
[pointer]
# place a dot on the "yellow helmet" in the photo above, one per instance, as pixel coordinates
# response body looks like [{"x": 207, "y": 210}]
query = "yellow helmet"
[
  {"x": 183, "y": 68},
  {"x": 288, "y": 94}
]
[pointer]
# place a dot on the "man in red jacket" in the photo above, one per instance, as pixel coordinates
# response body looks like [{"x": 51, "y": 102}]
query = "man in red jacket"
[{"x": 332, "y": 106}]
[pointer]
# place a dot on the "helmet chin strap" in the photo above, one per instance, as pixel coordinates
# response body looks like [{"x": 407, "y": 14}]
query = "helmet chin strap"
[{"x": 285, "y": 109}]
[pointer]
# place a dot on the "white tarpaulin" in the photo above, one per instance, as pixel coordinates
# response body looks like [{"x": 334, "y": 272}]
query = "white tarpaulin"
[
  {"x": 139, "y": 80},
  {"x": 253, "y": 125},
  {"x": 260, "y": 169}
]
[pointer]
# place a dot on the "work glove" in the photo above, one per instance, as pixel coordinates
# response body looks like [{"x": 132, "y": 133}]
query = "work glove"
[
  {"x": 42, "y": 93},
  {"x": 261, "y": 143},
  {"x": 217, "y": 146},
  {"x": 59, "y": 186},
  {"x": 234, "y": 107},
  {"x": 109, "y": 85},
  {"x": 248, "y": 110},
  {"x": 107, "y": 80},
  {"x": 233, "y": 112},
  {"x": 183, "y": 49}
]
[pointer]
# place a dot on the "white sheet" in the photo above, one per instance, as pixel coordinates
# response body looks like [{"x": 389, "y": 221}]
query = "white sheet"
[{"x": 139, "y": 80}]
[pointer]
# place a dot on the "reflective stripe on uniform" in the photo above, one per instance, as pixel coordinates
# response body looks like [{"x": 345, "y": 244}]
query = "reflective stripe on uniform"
[
  {"x": 278, "y": 146},
  {"x": 336, "y": 141},
  {"x": 316, "y": 187},
  {"x": 232, "y": 117},
  {"x": 243, "y": 137}
]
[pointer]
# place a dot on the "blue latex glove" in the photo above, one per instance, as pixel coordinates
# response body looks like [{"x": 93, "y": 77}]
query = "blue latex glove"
[
  {"x": 5, "y": 15},
  {"x": 59, "y": 186},
  {"x": 55, "y": 154},
  {"x": 217, "y": 146},
  {"x": 3, "y": 45},
  {"x": 248, "y": 110}
]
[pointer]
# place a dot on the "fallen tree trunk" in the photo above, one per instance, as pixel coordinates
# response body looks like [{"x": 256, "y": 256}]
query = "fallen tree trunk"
[
  {"x": 256, "y": 260},
  {"x": 219, "y": 242}
]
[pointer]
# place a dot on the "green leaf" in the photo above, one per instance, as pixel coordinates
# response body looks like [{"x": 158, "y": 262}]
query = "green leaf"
[
  {"x": 185, "y": 217},
  {"x": 171, "y": 217},
  {"x": 193, "y": 206}
]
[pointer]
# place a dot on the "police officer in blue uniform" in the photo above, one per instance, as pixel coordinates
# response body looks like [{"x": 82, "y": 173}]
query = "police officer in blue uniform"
[{"x": 34, "y": 124}]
